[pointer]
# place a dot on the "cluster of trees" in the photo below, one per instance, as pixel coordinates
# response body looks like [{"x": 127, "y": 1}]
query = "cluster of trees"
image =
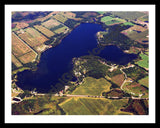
[
  {"x": 71, "y": 23},
  {"x": 136, "y": 73},
  {"x": 93, "y": 67}
]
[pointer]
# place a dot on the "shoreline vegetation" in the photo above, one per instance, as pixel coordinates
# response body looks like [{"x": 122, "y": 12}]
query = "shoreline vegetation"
[{"x": 114, "y": 23}]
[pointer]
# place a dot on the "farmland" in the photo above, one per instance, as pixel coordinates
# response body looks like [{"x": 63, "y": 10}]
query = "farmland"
[
  {"x": 60, "y": 18},
  {"x": 22, "y": 51},
  {"x": 16, "y": 61},
  {"x": 118, "y": 79},
  {"x": 144, "y": 81},
  {"x": 97, "y": 79},
  {"x": 51, "y": 23},
  {"x": 92, "y": 86},
  {"x": 18, "y": 47},
  {"x": 28, "y": 57},
  {"x": 89, "y": 106},
  {"x": 31, "y": 35},
  {"x": 136, "y": 89},
  {"x": 44, "y": 30},
  {"x": 61, "y": 30},
  {"x": 144, "y": 61},
  {"x": 111, "y": 21},
  {"x": 128, "y": 15}
]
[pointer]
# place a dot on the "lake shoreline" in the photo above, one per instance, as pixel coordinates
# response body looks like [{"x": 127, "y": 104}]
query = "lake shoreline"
[{"x": 59, "y": 42}]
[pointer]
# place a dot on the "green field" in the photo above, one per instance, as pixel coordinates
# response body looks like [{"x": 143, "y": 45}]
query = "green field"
[
  {"x": 108, "y": 20},
  {"x": 128, "y": 23},
  {"x": 144, "y": 62},
  {"x": 130, "y": 15},
  {"x": 62, "y": 29},
  {"x": 144, "y": 81},
  {"x": 92, "y": 106},
  {"x": 92, "y": 86}
]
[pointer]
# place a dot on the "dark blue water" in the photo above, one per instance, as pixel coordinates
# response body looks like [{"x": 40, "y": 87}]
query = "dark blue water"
[{"x": 57, "y": 61}]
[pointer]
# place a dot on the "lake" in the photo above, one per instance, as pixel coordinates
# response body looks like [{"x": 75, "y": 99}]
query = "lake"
[{"x": 56, "y": 61}]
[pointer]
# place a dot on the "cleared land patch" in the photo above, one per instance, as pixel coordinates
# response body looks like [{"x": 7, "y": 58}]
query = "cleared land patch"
[
  {"x": 132, "y": 15},
  {"x": 32, "y": 37},
  {"x": 44, "y": 30},
  {"x": 23, "y": 52},
  {"x": 144, "y": 81},
  {"x": 108, "y": 20},
  {"x": 92, "y": 106},
  {"x": 60, "y": 18},
  {"x": 92, "y": 86},
  {"x": 16, "y": 61},
  {"x": 18, "y": 47},
  {"x": 28, "y": 57},
  {"x": 51, "y": 23},
  {"x": 118, "y": 79},
  {"x": 144, "y": 62}
]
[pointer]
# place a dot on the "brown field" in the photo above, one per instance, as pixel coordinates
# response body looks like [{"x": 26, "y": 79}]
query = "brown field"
[
  {"x": 18, "y": 46},
  {"x": 32, "y": 37},
  {"x": 46, "y": 17},
  {"x": 20, "y": 25},
  {"x": 15, "y": 61},
  {"x": 134, "y": 28},
  {"x": 137, "y": 107},
  {"x": 87, "y": 14},
  {"x": 68, "y": 14},
  {"x": 28, "y": 39},
  {"x": 20, "y": 50},
  {"x": 60, "y": 18},
  {"x": 28, "y": 57},
  {"x": 34, "y": 33},
  {"x": 118, "y": 79},
  {"x": 44, "y": 30},
  {"x": 51, "y": 23}
]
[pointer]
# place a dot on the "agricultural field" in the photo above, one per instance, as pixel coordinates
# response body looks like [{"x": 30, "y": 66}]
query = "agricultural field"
[
  {"x": 144, "y": 18},
  {"x": 133, "y": 29},
  {"x": 44, "y": 30},
  {"x": 68, "y": 14},
  {"x": 60, "y": 18},
  {"x": 61, "y": 30},
  {"x": 92, "y": 86},
  {"x": 22, "y": 51},
  {"x": 136, "y": 89},
  {"x": 38, "y": 105},
  {"x": 89, "y": 14},
  {"x": 108, "y": 20},
  {"x": 108, "y": 90},
  {"x": 101, "y": 12},
  {"x": 16, "y": 62},
  {"x": 19, "y": 25},
  {"x": 137, "y": 33},
  {"x": 32, "y": 37},
  {"x": 51, "y": 23},
  {"x": 91, "y": 106},
  {"x": 144, "y": 81},
  {"x": 132, "y": 15},
  {"x": 118, "y": 79},
  {"x": 128, "y": 23},
  {"x": 144, "y": 62},
  {"x": 18, "y": 46},
  {"x": 137, "y": 107},
  {"x": 28, "y": 57}
]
